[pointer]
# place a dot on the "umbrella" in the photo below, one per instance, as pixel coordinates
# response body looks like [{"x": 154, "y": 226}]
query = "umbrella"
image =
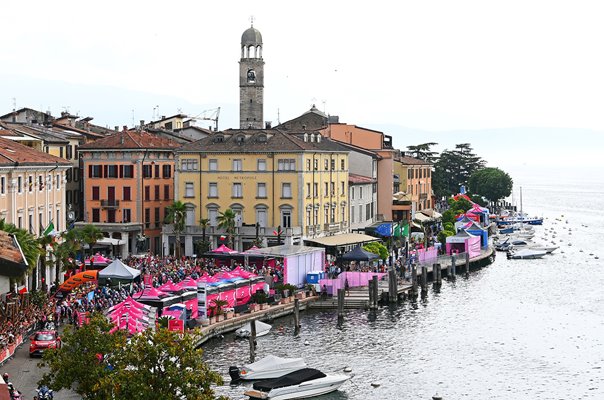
[
  {"x": 224, "y": 250},
  {"x": 359, "y": 254}
]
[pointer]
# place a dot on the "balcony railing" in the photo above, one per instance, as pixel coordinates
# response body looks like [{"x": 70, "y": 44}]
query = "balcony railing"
[{"x": 112, "y": 204}]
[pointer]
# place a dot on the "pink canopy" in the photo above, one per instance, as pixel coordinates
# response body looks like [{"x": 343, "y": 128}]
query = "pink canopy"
[
  {"x": 224, "y": 250},
  {"x": 151, "y": 293},
  {"x": 242, "y": 273},
  {"x": 188, "y": 283},
  {"x": 224, "y": 275},
  {"x": 252, "y": 249},
  {"x": 98, "y": 259},
  {"x": 208, "y": 278},
  {"x": 170, "y": 287},
  {"x": 133, "y": 326}
]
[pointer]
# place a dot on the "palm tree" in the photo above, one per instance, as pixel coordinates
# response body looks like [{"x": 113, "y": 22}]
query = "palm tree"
[
  {"x": 43, "y": 242},
  {"x": 226, "y": 221},
  {"x": 89, "y": 234},
  {"x": 65, "y": 252},
  {"x": 176, "y": 217},
  {"x": 205, "y": 246}
]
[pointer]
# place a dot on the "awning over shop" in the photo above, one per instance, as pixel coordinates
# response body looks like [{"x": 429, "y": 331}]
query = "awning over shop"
[
  {"x": 421, "y": 217},
  {"x": 344, "y": 239}
]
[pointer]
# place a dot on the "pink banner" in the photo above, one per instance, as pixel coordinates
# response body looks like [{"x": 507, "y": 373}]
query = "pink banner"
[{"x": 355, "y": 279}]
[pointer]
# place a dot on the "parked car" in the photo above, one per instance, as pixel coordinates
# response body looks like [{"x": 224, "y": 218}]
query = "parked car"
[{"x": 43, "y": 340}]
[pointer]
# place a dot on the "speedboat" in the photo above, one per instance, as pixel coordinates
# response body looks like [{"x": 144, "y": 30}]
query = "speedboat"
[
  {"x": 307, "y": 382},
  {"x": 246, "y": 330},
  {"x": 543, "y": 247},
  {"x": 267, "y": 368},
  {"x": 511, "y": 244},
  {"x": 525, "y": 254}
]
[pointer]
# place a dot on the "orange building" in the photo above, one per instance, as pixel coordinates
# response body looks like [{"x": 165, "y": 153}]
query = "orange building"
[{"x": 128, "y": 184}]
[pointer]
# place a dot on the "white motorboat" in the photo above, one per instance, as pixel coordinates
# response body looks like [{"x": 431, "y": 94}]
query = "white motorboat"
[
  {"x": 525, "y": 254},
  {"x": 267, "y": 368},
  {"x": 510, "y": 244},
  {"x": 246, "y": 330},
  {"x": 307, "y": 382},
  {"x": 543, "y": 247}
]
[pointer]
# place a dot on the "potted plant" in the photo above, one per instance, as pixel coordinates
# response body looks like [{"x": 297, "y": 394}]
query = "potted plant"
[
  {"x": 260, "y": 298},
  {"x": 217, "y": 308}
]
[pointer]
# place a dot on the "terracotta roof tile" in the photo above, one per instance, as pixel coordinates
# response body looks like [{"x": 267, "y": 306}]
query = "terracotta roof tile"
[
  {"x": 12, "y": 152},
  {"x": 131, "y": 140},
  {"x": 413, "y": 161},
  {"x": 359, "y": 179}
]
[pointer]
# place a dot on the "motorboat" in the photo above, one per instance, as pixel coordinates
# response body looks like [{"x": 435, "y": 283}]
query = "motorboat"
[
  {"x": 267, "y": 368},
  {"x": 525, "y": 254},
  {"x": 246, "y": 330},
  {"x": 509, "y": 244},
  {"x": 307, "y": 382},
  {"x": 544, "y": 247}
]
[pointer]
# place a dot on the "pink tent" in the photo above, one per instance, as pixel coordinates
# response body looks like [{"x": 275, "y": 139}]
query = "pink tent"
[
  {"x": 170, "y": 287},
  {"x": 208, "y": 278},
  {"x": 188, "y": 283},
  {"x": 224, "y": 275},
  {"x": 252, "y": 249},
  {"x": 151, "y": 293},
  {"x": 224, "y": 250},
  {"x": 242, "y": 273},
  {"x": 98, "y": 259}
]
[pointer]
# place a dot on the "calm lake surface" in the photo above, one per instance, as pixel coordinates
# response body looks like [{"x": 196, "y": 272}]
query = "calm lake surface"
[{"x": 517, "y": 329}]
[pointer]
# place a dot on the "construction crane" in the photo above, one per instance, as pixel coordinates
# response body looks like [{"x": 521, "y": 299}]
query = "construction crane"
[{"x": 209, "y": 115}]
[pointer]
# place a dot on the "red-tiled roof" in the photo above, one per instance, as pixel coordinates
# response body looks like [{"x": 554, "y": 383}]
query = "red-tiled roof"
[
  {"x": 12, "y": 152},
  {"x": 413, "y": 161},
  {"x": 359, "y": 179},
  {"x": 132, "y": 140}
]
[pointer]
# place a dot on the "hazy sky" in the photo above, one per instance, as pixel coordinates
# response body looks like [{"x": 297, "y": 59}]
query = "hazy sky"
[{"x": 411, "y": 68}]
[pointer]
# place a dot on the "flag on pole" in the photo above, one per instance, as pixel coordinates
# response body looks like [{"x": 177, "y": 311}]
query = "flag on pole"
[
  {"x": 405, "y": 230},
  {"x": 50, "y": 229}
]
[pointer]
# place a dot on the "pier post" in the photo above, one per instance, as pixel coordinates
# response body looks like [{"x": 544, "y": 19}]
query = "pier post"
[
  {"x": 424, "y": 281},
  {"x": 297, "y": 316},
  {"x": 436, "y": 274},
  {"x": 375, "y": 292},
  {"x": 414, "y": 279},
  {"x": 453, "y": 268},
  {"x": 370, "y": 293},
  {"x": 393, "y": 285},
  {"x": 467, "y": 264},
  {"x": 252, "y": 340},
  {"x": 341, "y": 295}
]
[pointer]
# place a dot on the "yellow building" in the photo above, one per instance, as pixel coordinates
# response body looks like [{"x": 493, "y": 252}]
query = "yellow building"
[{"x": 295, "y": 181}]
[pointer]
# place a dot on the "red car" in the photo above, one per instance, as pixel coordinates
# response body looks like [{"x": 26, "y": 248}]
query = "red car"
[{"x": 43, "y": 340}]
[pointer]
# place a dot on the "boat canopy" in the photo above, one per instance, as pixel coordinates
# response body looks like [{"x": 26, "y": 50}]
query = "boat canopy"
[
  {"x": 291, "y": 379},
  {"x": 274, "y": 362}
]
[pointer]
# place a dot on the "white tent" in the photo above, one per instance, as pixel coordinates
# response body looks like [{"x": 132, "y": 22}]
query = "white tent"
[{"x": 118, "y": 270}]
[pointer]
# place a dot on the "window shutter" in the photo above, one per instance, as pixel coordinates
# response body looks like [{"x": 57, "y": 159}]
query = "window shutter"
[
  {"x": 121, "y": 171},
  {"x": 90, "y": 171},
  {"x": 104, "y": 171}
]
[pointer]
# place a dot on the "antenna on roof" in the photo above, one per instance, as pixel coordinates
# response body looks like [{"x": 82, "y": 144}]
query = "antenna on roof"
[{"x": 14, "y": 104}]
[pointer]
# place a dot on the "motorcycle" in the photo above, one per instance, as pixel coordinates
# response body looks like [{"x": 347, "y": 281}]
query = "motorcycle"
[
  {"x": 44, "y": 393},
  {"x": 14, "y": 393}
]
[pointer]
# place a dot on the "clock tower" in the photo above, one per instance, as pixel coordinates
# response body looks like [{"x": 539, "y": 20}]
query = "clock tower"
[{"x": 251, "y": 81}]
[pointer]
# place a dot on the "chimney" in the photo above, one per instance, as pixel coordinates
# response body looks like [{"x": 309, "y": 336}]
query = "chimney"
[
  {"x": 142, "y": 123},
  {"x": 125, "y": 127},
  {"x": 116, "y": 128},
  {"x": 267, "y": 125},
  {"x": 163, "y": 117}
]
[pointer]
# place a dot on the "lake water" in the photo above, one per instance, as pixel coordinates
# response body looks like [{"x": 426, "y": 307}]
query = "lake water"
[{"x": 517, "y": 329}]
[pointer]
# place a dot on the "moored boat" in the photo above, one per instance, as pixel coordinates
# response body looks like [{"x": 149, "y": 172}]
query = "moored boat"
[
  {"x": 267, "y": 368},
  {"x": 525, "y": 254},
  {"x": 307, "y": 382},
  {"x": 246, "y": 330}
]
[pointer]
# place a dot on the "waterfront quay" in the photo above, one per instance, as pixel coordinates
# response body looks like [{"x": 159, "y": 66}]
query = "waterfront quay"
[{"x": 356, "y": 297}]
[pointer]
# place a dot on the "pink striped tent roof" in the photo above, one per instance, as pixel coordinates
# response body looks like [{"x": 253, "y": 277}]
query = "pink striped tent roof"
[{"x": 170, "y": 287}]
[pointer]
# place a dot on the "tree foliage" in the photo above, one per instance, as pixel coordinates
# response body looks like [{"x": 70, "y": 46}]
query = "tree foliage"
[
  {"x": 454, "y": 168},
  {"x": 151, "y": 365},
  {"x": 492, "y": 183},
  {"x": 176, "y": 217},
  {"x": 423, "y": 151},
  {"x": 377, "y": 248},
  {"x": 88, "y": 234},
  {"x": 226, "y": 221}
]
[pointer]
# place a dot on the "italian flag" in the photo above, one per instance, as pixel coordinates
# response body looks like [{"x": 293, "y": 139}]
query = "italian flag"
[{"x": 50, "y": 230}]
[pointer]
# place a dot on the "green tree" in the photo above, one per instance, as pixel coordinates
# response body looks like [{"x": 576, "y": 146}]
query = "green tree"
[
  {"x": 226, "y": 221},
  {"x": 152, "y": 365},
  {"x": 377, "y": 248},
  {"x": 492, "y": 183},
  {"x": 203, "y": 245},
  {"x": 176, "y": 217},
  {"x": 89, "y": 234},
  {"x": 45, "y": 243},
  {"x": 65, "y": 251},
  {"x": 423, "y": 151},
  {"x": 443, "y": 235},
  {"x": 454, "y": 168}
]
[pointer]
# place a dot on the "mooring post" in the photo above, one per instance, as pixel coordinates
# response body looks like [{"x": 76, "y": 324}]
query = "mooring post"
[
  {"x": 467, "y": 264},
  {"x": 414, "y": 279},
  {"x": 436, "y": 274},
  {"x": 448, "y": 270},
  {"x": 424, "y": 280},
  {"x": 296, "y": 316},
  {"x": 453, "y": 268},
  {"x": 252, "y": 340},
  {"x": 375, "y": 292},
  {"x": 370, "y": 292},
  {"x": 341, "y": 295},
  {"x": 393, "y": 285}
]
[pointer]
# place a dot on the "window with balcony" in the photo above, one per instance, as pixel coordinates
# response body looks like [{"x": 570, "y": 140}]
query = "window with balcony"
[
  {"x": 261, "y": 191},
  {"x": 286, "y": 190},
  {"x": 126, "y": 215},
  {"x": 213, "y": 190},
  {"x": 237, "y": 191},
  {"x": 189, "y": 189},
  {"x": 111, "y": 215},
  {"x": 96, "y": 193}
]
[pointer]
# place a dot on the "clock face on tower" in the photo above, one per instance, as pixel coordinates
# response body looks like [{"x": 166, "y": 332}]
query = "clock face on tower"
[{"x": 251, "y": 76}]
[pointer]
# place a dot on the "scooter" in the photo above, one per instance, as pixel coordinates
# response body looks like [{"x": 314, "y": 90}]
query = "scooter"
[
  {"x": 14, "y": 393},
  {"x": 44, "y": 393}
]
